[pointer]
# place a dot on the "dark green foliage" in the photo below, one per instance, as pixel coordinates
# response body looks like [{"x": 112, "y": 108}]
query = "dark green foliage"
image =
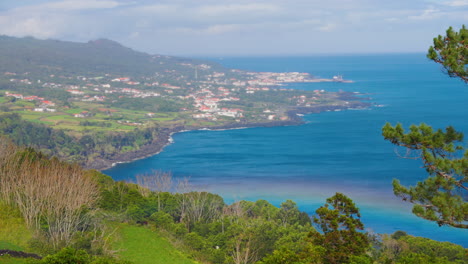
[
  {"x": 416, "y": 258},
  {"x": 402, "y": 248},
  {"x": 74, "y": 256},
  {"x": 195, "y": 241},
  {"x": 162, "y": 220},
  {"x": 442, "y": 197},
  {"x": 67, "y": 256},
  {"x": 57, "y": 143},
  {"x": 435, "y": 249},
  {"x": 339, "y": 220},
  {"x": 151, "y": 104},
  {"x": 261, "y": 208},
  {"x": 125, "y": 198},
  {"x": 289, "y": 213},
  {"x": 25, "y": 133},
  {"x": 285, "y": 255},
  {"x": 451, "y": 51},
  {"x": 361, "y": 259},
  {"x": 398, "y": 234},
  {"x": 98, "y": 124}
]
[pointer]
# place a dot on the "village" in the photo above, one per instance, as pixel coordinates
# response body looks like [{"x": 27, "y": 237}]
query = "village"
[{"x": 232, "y": 96}]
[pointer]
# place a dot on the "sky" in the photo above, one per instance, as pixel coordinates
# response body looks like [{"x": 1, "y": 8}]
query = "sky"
[{"x": 241, "y": 27}]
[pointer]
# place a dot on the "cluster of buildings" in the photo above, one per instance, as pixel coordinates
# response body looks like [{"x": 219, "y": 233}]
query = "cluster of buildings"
[
  {"x": 207, "y": 91},
  {"x": 23, "y": 81},
  {"x": 44, "y": 105},
  {"x": 208, "y": 102}
]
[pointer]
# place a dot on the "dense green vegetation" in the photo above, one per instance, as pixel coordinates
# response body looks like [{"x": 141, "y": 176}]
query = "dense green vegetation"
[
  {"x": 160, "y": 219},
  {"x": 155, "y": 104},
  {"x": 84, "y": 149}
]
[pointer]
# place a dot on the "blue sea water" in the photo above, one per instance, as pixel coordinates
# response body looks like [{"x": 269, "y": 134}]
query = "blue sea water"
[{"x": 334, "y": 151}]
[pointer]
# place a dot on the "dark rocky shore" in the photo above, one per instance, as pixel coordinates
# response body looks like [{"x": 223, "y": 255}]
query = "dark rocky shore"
[{"x": 165, "y": 135}]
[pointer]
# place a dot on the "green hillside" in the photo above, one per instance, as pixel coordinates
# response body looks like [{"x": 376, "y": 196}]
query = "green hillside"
[
  {"x": 72, "y": 58},
  {"x": 137, "y": 244},
  {"x": 14, "y": 234}
]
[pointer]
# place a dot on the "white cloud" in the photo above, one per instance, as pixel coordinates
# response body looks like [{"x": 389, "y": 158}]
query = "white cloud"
[
  {"x": 54, "y": 19},
  {"x": 238, "y": 9},
  {"x": 37, "y": 27},
  {"x": 223, "y": 23},
  {"x": 76, "y": 5},
  {"x": 427, "y": 14},
  {"x": 167, "y": 9},
  {"x": 328, "y": 27},
  {"x": 222, "y": 29},
  {"x": 457, "y": 3}
]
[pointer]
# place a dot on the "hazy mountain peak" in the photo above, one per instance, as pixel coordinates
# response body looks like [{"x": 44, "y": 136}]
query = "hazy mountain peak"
[{"x": 103, "y": 42}]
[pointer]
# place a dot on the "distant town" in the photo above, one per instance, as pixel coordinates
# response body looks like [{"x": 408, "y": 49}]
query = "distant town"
[{"x": 209, "y": 97}]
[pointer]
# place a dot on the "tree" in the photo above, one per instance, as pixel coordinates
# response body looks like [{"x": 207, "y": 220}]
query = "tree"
[
  {"x": 243, "y": 251},
  {"x": 157, "y": 181},
  {"x": 46, "y": 192},
  {"x": 340, "y": 222},
  {"x": 289, "y": 213},
  {"x": 442, "y": 197},
  {"x": 452, "y": 52}
]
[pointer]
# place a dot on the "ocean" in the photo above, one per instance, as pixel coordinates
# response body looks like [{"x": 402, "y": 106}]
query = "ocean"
[{"x": 332, "y": 152}]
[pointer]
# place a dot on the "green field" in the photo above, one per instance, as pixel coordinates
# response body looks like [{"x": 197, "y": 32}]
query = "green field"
[
  {"x": 116, "y": 117},
  {"x": 141, "y": 245},
  {"x": 102, "y": 118}
]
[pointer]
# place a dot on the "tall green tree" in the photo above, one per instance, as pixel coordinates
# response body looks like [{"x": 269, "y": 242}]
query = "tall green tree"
[
  {"x": 443, "y": 196},
  {"x": 451, "y": 51},
  {"x": 340, "y": 222}
]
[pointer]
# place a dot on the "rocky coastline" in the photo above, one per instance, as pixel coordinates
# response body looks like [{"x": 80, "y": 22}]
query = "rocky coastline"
[{"x": 165, "y": 136}]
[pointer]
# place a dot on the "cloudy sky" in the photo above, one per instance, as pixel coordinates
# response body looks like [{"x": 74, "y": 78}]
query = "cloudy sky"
[{"x": 241, "y": 27}]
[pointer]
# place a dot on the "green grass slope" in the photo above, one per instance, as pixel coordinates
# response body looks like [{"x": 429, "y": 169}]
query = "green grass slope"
[
  {"x": 141, "y": 245},
  {"x": 14, "y": 234},
  {"x": 11, "y": 260}
]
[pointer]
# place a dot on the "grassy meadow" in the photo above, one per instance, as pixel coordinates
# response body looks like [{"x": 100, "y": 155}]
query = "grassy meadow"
[{"x": 143, "y": 246}]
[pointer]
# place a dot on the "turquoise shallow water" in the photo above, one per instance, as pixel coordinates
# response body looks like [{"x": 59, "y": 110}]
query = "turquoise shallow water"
[{"x": 334, "y": 151}]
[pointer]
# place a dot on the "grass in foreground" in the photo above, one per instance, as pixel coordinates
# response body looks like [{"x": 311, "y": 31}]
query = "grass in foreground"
[
  {"x": 14, "y": 234},
  {"x": 141, "y": 245},
  {"x": 12, "y": 260}
]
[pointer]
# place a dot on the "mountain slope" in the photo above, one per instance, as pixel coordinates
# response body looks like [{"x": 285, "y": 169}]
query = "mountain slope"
[{"x": 96, "y": 57}]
